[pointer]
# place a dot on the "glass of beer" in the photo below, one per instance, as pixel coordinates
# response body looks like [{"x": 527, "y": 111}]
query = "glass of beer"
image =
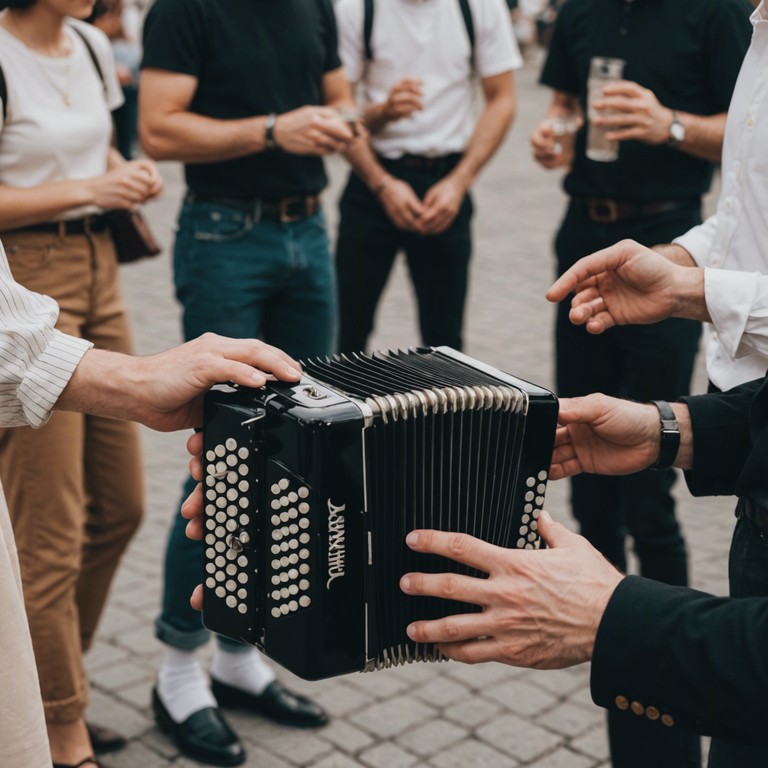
[
  {"x": 563, "y": 131},
  {"x": 602, "y": 72}
]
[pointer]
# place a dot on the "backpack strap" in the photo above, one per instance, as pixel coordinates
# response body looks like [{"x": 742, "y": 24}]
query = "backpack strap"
[
  {"x": 91, "y": 53},
  {"x": 367, "y": 28},
  {"x": 466, "y": 13}
]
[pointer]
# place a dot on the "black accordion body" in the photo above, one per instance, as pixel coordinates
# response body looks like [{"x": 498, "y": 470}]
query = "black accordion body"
[{"x": 310, "y": 489}]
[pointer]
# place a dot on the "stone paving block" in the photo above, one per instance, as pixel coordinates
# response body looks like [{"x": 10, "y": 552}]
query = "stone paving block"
[
  {"x": 260, "y": 757},
  {"x": 433, "y": 736},
  {"x": 518, "y": 737},
  {"x": 559, "y": 681},
  {"x": 473, "y": 711},
  {"x": 564, "y": 758},
  {"x": 137, "y": 754},
  {"x": 393, "y": 716},
  {"x": 114, "y": 676},
  {"x": 441, "y": 692},
  {"x": 594, "y": 742},
  {"x": 343, "y": 699},
  {"x": 387, "y": 755},
  {"x": 137, "y": 695},
  {"x": 569, "y": 719},
  {"x": 480, "y": 677},
  {"x": 109, "y": 711},
  {"x": 338, "y": 761},
  {"x": 294, "y": 746},
  {"x": 140, "y": 640},
  {"x": 521, "y": 697},
  {"x": 342, "y": 734},
  {"x": 381, "y": 684},
  {"x": 472, "y": 754},
  {"x": 104, "y": 654}
]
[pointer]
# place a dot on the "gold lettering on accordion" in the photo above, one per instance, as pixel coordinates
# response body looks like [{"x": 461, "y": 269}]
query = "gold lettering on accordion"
[{"x": 336, "y": 542}]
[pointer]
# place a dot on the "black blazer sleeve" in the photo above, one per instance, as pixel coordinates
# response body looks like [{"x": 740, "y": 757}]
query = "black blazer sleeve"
[{"x": 684, "y": 659}]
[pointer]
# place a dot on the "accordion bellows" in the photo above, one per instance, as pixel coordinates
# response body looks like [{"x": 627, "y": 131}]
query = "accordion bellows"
[{"x": 312, "y": 487}]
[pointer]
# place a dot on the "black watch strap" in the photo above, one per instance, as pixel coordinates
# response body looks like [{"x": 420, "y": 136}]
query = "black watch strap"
[{"x": 669, "y": 443}]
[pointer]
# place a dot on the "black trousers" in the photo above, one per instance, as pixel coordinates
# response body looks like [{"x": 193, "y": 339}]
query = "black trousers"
[
  {"x": 368, "y": 243},
  {"x": 639, "y": 363}
]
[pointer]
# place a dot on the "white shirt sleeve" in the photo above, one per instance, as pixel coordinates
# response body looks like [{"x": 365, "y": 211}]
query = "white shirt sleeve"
[
  {"x": 349, "y": 21},
  {"x": 36, "y": 360},
  {"x": 698, "y": 241},
  {"x": 738, "y": 305},
  {"x": 496, "y": 49}
]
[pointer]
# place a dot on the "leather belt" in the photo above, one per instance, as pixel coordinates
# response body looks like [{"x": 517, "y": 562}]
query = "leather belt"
[
  {"x": 88, "y": 225},
  {"x": 755, "y": 513},
  {"x": 439, "y": 163},
  {"x": 285, "y": 210},
  {"x": 605, "y": 211}
]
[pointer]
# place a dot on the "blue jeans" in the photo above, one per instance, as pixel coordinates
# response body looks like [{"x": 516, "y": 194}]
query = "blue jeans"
[{"x": 240, "y": 276}]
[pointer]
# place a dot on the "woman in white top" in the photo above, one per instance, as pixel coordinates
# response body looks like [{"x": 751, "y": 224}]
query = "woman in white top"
[{"x": 74, "y": 487}]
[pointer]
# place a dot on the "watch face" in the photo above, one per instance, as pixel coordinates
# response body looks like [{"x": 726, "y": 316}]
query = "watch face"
[{"x": 677, "y": 131}]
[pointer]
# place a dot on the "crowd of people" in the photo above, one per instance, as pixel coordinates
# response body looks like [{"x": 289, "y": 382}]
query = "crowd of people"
[{"x": 390, "y": 85}]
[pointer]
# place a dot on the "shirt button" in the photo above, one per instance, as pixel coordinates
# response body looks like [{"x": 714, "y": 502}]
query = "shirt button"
[
  {"x": 638, "y": 708},
  {"x": 652, "y": 713},
  {"x": 667, "y": 720},
  {"x": 622, "y": 702},
  {"x": 750, "y": 122}
]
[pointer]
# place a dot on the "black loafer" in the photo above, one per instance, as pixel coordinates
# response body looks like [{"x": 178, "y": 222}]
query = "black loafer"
[
  {"x": 204, "y": 736},
  {"x": 276, "y": 703},
  {"x": 105, "y": 740}
]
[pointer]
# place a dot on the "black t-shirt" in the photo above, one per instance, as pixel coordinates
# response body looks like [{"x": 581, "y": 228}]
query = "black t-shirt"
[
  {"x": 688, "y": 52},
  {"x": 250, "y": 57}
]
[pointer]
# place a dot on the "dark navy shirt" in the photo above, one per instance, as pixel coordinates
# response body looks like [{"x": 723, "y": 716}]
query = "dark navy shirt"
[
  {"x": 251, "y": 57},
  {"x": 688, "y": 52}
]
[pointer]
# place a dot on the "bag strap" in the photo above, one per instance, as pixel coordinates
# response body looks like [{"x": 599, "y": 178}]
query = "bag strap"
[
  {"x": 91, "y": 53},
  {"x": 466, "y": 14}
]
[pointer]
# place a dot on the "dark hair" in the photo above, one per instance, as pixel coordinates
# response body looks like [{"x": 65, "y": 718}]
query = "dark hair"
[{"x": 16, "y": 3}]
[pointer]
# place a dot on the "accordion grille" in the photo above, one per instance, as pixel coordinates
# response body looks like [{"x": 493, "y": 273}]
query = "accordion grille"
[{"x": 441, "y": 452}]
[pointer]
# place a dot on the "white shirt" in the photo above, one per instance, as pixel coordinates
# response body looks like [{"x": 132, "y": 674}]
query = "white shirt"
[
  {"x": 36, "y": 360},
  {"x": 426, "y": 39},
  {"x": 43, "y": 139},
  {"x": 736, "y": 237}
]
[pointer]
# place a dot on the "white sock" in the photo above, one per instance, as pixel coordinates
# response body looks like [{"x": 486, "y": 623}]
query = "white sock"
[
  {"x": 247, "y": 670},
  {"x": 182, "y": 685}
]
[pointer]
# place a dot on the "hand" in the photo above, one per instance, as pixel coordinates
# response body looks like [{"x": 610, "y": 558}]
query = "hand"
[
  {"x": 605, "y": 436},
  {"x": 312, "y": 131},
  {"x": 552, "y": 151},
  {"x": 441, "y": 205},
  {"x": 638, "y": 114},
  {"x": 401, "y": 204},
  {"x": 125, "y": 186},
  {"x": 403, "y": 99},
  {"x": 192, "y": 508},
  {"x": 629, "y": 284},
  {"x": 541, "y": 608}
]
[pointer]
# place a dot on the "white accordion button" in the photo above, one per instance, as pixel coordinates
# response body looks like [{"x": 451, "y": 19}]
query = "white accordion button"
[
  {"x": 542, "y": 475},
  {"x": 243, "y": 469},
  {"x": 231, "y": 477},
  {"x": 242, "y": 578},
  {"x": 231, "y": 460},
  {"x": 284, "y": 609},
  {"x": 275, "y": 489},
  {"x": 293, "y": 559},
  {"x": 231, "y": 569},
  {"x": 220, "y": 450},
  {"x": 285, "y": 593},
  {"x": 529, "y": 496},
  {"x": 285, "y": 517},
  {"x": 304, "y": 538},
  {"x": 304, "y": 601},
  {"x": 293, "y": 590},
  {"x": 242, "y": 608},
  {"x": 210, "y": 455},
  {"x": 303, "y": 553},
  {"x": 303, "y": 507},
  {"x": 243, "y": 485},
  {"x": 284, "y": 483},
  {"x": 293, "y": 497},
  {"x": 242, "y": 593},
  {"x": 276, "y": 549},
  {"x": 275, "y": 565},
  {"x": 304, "y": 569},
  {"x": 276, "y": 580},
  {"x": 243, "y": 502},
  {"x": 243, "y": 453},
  {"x": 530, "y": 482},
  {"x": 275, "y": 520},
  {"x": 220, "y": 592},
  {"x": 293, "y": 606},
  {"x": 520, "y": 543},
  {"x": 304, "y": 522},
  {"x": 276, "y": 613},
  {"x": 231, "y": 601},
  {"x": 231, "y": 444},
  {"x": 303, "y": 585},
  {"x": 303, "y": 492},
  {"x": 210, "y": 582},
  {"x": 293, "y": 574}
]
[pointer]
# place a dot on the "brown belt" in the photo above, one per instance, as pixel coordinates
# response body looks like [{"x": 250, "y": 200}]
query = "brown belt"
[
  {"x": 611, "y": 211},
  {"x": 755, "y": 513},
  {"x": 85, "y": 226},
  {"x": 285, "y": 210}
]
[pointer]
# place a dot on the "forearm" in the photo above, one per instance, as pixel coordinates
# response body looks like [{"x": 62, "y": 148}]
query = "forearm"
[
  {"x": 675, "y": 253},
  {"x": 703, "y": 135},
  {"x": 21, "y": 207},
  {"x": 364, "y": 163},
  {"x": 191, "y": 138},
  {"x": 684, "y": 458},
  {"x": 489, "y": 132},
  {"x": 375, "y": 116},
  {"x": 689, "y": 296},
  {"x": 114, "y": 159}
]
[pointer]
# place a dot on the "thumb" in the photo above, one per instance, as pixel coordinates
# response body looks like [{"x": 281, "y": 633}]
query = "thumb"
[
  {"x": 575, "y": 410},
  {"x": 555, "y": 534}
]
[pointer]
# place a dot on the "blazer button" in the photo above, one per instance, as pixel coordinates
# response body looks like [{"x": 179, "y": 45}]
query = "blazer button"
[
  {"x": 668, "y": 720},
  {"x": 652, "y": 713},
  {"x": 622, "y": 702},
  {"x": 638, "y": 708}
]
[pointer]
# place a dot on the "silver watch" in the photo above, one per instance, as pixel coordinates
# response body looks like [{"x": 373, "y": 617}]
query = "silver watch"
[{"x": 676, "y": 130}]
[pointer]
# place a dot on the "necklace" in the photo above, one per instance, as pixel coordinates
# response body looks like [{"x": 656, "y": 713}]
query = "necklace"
[{"x": 66, "y": 91}]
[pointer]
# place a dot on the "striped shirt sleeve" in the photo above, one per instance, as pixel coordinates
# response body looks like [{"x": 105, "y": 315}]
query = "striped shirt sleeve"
[{"x": 36, "y": 360}]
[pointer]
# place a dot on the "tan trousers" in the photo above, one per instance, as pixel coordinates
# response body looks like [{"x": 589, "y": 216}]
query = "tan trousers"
[
  {"x": 23, "y": 740},
  {"x": 74, "y": 487}
]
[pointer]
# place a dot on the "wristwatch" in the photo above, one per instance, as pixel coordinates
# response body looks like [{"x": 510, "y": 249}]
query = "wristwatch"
[
  {"x": 269, "y": 131},
  {"x": 676, "y": 130},
  {"x": 669, "y": 437}
]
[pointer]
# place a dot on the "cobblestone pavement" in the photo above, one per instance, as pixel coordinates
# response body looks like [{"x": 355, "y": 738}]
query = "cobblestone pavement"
[{"x": 441, "y": 715}]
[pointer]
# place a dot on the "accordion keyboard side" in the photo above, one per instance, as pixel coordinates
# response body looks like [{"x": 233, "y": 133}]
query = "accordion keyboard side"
[{"x": 301, "y": 564}]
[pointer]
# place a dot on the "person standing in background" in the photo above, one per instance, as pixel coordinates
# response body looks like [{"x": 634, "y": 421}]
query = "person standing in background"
[
  {"x": 58, "y": 175},
  {"x": 667, "y": 116},
  {"x": 409, "y": 189},
  {"x": 246, "y": 96}
]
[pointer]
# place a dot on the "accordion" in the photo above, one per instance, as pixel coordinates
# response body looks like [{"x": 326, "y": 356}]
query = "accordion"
[{"x": 311, "y": 487}]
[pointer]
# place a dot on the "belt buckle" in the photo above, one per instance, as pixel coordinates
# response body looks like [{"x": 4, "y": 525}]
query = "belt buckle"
[
  {"x": 603, "y": 211},
  {"x": 284, "y": 210}
]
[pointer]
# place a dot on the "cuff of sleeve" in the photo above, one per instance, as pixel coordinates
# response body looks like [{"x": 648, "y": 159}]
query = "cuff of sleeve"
[
  {"x": 45, "y": 380},
  {"x": 697, "y": 243},
  {"x": 729, "y": 296}
]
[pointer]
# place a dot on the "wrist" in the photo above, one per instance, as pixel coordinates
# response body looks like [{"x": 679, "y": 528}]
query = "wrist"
[
  {"x": 270, "y": 126},
  {"x": 688, "y": 292},
  {"x": 668, "y": 436},
  {"x": 381, "y": 184}
]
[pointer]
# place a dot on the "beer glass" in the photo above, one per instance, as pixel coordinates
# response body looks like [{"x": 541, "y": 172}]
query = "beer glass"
[{"x": 602, "y": 72}]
